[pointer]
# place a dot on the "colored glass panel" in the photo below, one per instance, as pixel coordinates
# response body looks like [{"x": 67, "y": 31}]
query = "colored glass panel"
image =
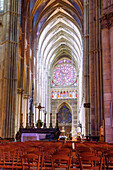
[
  {"x": 64, "y": 61},
  {"x": 64, "y": 115},
  {"x": 64, "y": 74}
]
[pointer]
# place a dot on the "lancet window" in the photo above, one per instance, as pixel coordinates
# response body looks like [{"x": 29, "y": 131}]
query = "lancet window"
[{"x": 64, "y": 115}]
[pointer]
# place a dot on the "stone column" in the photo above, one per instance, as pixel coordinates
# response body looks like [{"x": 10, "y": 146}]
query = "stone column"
[
  {"x": 91, "y": 67},
  {"x": 28, "y": 32},
  {"x": 95, "y": 68},
  {"x": 46, "y": 93},
  {"x": 111, "y": 50},
  {"x": 36, "y": 95},
  {"x": 86, "y": 122},
  {"x": 11, "y": 21},
  {"x": 107, "y": 74},
  {"x": 18, "y": 110},
  {"x": 98, "y": 69},
  {"x": 25, "y": 111},
  {"x": 48, "y": 101},
  {"x": 21, "y": 105}
]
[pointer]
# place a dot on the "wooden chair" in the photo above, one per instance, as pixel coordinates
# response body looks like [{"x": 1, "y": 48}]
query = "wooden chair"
[
  {"x": 82, "y": 154},
  {"x": 74, "y": 161},
  {"x": 65, "y": 151},
  {"x": 31, "y": 162},
  {"x": 60, "y": 161},
  {"x": 90, "y": 162},
  {"x": 32, "y": 150},
  {"x": 109, "y": 159},
  {"x": 48, "y": 153},
  {"x": 9, "y": 159}
]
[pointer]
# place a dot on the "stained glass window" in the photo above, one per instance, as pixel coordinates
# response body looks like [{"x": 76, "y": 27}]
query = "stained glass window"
[
  {"x": 63, "y": 61},
  {"x": 1, "y": 5},
  {"x": 64, "y": 94},
  {"x": 64, "y": 115},
  {"x": 64, "y": 74}
]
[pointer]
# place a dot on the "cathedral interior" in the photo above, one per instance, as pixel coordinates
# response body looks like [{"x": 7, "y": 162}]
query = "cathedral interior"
[{"x": 57, "y": 54}]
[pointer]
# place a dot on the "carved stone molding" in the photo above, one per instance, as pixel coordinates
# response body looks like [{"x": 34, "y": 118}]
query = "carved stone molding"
[
  {"x": 107, "y": 21},
  {"x": 26, "y": 96},
  {"x": 20, "y": 91}
]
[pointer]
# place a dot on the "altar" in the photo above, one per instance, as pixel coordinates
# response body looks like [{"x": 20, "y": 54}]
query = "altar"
[
  {"x": 32, "y": 137},
  {"x": 33, "y": 134},
  {"x": 30, "y": 133}
]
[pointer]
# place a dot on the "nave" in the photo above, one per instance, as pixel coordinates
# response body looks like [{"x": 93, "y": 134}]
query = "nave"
[
  {"x": 56, "y": 58},
  {"x": 53, "y": 155}
]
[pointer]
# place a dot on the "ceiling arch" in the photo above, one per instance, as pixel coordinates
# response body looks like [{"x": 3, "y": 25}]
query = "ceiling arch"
[
  {"x": 58, "y": 16},
  {"x": 78, "y": 4},
  {"x": 60, "y": 32},
  {"x": 59, "y": 13},
  {"x": 58, "y": 26},
  {"x": 52, "y": 7}
]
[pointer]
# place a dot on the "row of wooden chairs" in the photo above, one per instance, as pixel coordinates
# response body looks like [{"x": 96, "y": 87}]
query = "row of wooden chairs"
[{"x": 50, "y": 155}]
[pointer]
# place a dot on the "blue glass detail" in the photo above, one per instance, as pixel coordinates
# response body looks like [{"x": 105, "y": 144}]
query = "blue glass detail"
[{"x": 64, "y": 115}]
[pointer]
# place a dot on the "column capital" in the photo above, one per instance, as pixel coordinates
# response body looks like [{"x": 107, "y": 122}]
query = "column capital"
[
  {"x": 26, "y": 96},
  {"x": 20, "y": 90}
]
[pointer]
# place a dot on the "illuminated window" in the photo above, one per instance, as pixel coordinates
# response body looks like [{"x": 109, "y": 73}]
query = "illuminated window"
[
  {"x": 64, "y": 115},
  {"x": 64, "y": 74},
  {"x": 63, "y": 61},
  {"x": 64, "y": 94},
  {"x": 1, "y": 5}
]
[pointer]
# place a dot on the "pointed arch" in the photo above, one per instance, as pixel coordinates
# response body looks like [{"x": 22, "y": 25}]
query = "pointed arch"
[
  {"x": 64, "y": 114},
  {"x": 62, "y": 104}
]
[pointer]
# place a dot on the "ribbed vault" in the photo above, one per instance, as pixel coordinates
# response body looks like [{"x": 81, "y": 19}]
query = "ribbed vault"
[{"x": 58, "y": 28}]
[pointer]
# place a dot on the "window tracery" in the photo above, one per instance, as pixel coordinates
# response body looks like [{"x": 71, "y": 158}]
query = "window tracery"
[
  {"x": 64, "y": 74},
  {"x": 64, "y": 115}
]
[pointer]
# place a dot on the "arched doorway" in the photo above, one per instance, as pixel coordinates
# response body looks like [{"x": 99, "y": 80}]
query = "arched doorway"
[{"x": 65, "y": 120}]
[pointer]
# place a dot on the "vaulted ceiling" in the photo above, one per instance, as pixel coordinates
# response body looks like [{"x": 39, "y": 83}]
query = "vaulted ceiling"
[{"x": 58, "y": 26}]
